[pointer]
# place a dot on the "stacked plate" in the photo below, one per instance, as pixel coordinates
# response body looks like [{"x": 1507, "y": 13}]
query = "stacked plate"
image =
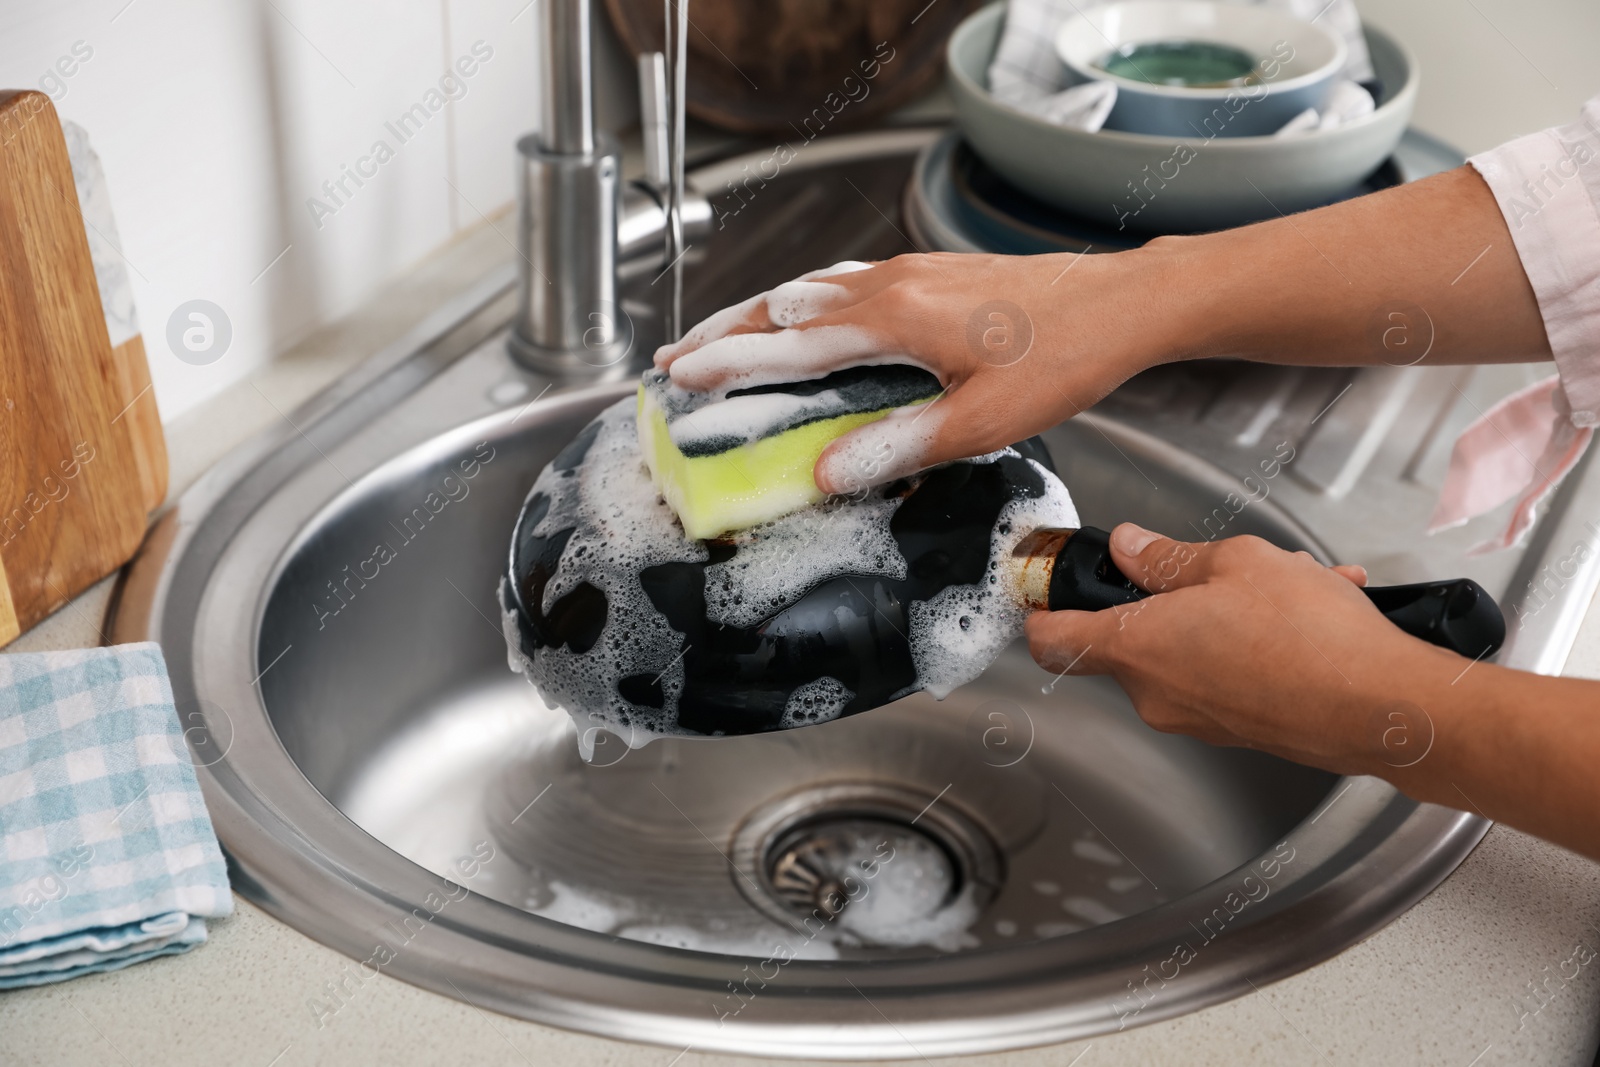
[
  {"x": 956, "y": 202},
  {"x": 1124, "y": 186}
]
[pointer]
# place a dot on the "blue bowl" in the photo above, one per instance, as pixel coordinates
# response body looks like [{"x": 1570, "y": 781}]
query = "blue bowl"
[{"x": 1296, "y": 65}]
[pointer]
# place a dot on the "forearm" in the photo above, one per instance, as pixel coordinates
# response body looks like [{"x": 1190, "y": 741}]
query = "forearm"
[
  {"x": 1021, "y": 343},
  {"x": 1516, "y": 747},
  {"x": 1427, "y": 267},
  {"x": 1424, "y": 267}
]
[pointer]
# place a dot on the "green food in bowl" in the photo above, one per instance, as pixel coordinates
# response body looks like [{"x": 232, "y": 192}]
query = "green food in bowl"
[
  {"x": 1188, "y": 64},
  {"x": 1297, "y": 61}
]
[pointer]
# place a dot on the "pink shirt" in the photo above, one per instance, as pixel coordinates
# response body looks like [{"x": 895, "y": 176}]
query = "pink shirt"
[{"x": 1548, "y": 187}]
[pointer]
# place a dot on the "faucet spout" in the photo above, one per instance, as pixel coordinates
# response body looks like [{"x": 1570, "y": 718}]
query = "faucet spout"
[
  {"x": 566, "y": 73},
  {"x": 576, "y": 223}
]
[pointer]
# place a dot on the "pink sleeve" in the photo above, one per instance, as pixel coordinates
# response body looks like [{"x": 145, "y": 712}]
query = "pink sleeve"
[{"x": 1548, "y": 187}]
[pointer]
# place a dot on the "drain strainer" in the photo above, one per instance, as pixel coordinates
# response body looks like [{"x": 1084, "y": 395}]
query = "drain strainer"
[{"x": 868, "y": 863}]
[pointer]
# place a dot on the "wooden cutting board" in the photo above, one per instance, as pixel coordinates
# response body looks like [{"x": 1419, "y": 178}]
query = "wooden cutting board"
[{"x": 82, "y": 459}]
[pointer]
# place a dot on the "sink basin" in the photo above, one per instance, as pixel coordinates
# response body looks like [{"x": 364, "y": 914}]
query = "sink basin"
[
  {"x": 396, "y": 703},
  {"x": 1024, "y": 862}
]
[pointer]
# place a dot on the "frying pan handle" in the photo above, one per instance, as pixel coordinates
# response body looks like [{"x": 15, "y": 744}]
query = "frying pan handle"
[{"x": 1456, "y": 614}]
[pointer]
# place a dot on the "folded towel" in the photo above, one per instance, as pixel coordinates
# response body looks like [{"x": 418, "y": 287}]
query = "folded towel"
[
  {"x": 107, "y": 856},
  {"x": 1082, "y": 107},
  {"x": 1027, "y": 73}
]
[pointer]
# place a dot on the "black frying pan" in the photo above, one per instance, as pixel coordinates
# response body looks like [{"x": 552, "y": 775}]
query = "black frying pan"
[{"x": 853, "y": 628}]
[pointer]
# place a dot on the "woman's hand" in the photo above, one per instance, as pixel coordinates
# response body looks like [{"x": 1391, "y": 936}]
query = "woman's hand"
[
  {"x": 1022, "y": 342},
  {"x": 1245, "y": 644},
  {"x": 1019, "y": 343}
]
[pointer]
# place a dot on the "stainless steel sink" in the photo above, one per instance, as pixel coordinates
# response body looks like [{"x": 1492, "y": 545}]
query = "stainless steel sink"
[
  {"x": 401, "y": 711},
  {"x": 1022, "y": 863}
]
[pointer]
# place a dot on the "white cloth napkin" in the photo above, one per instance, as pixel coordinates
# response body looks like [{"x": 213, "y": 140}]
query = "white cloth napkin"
[
  {"x": 1027, "y": 73},
  {"x": 1346, "y": 103}
]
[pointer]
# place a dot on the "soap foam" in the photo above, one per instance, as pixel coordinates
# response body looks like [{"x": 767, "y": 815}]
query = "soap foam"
[
  {"x": 592, "y": 908},
  {"x": 742, "y": 419},
  {"x": 718, "y": 324},
  {"x": 959, "y": 632},
  {"x": 621, "y": 527},
  {"x": 786, "y": 305},
  {"x": 808, "y": 296},
  {"x": 779, "y": 561},
  {"x": 793, "y": 303},
  {"x": 895, "y": 446},
  {"x": 706, "y": 423},
  {"x": 906, "y": 897},
  {"x": 820, "y": 701},
  {"x": 742, "y": 360},
  {"x": 844, "y": 266}
]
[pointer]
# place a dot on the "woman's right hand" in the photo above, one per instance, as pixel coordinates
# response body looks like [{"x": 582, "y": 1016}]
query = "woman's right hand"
[
  {"x": 1019, "y": 343},
  {"x": 1244, "y": 644}
]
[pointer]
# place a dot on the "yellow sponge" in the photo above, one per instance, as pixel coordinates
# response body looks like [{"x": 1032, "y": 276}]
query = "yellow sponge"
[{"x": 748, "y": 459}]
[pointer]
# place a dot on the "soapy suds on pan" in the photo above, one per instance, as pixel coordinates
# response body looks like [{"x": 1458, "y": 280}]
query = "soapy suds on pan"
[{"x": 620, "y": 620}]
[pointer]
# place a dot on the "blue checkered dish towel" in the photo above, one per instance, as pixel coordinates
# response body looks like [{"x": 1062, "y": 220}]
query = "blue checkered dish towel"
[{"x": 107, "y": 856}]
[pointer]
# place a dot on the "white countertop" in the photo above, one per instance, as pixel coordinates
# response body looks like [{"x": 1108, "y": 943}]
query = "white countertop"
[{"x": 1448, "y": 983}]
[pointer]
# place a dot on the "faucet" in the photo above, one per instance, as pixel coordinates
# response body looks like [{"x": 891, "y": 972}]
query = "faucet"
[{"x": 577, "y": 221}]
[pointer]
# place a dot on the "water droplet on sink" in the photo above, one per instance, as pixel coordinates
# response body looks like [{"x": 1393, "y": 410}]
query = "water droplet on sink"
[
  {"x": 1046, "y": 889},
  {"x": 508, "y": 392}
]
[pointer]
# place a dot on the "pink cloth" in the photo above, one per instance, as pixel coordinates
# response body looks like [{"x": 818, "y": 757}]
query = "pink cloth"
[
  {"x": 1523, "y": 445},
  {"x": 1548, "y": 187}
]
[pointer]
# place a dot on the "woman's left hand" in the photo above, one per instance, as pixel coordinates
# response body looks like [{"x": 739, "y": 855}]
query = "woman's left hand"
[{"x": 1018, "y": 342}]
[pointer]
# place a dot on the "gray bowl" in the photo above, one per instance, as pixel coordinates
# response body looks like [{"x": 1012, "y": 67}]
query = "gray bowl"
[{"x": 1151, "y": 183}]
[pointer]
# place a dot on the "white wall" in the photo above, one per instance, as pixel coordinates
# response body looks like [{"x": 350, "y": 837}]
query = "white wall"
[
  {"x": 1493, "y": 69},
  {"x": 217, "y": 121}
]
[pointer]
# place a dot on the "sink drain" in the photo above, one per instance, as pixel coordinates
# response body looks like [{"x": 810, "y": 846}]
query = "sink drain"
[{"x": 871, "y": 864}]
